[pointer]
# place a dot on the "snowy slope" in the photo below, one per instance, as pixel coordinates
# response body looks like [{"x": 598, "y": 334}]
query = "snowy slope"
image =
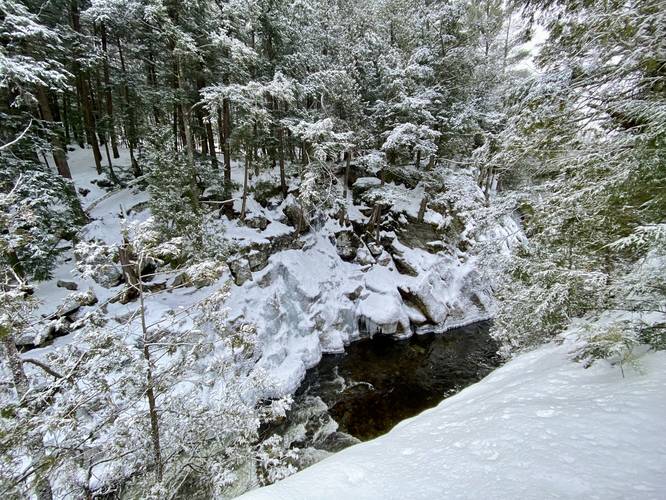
[{"x": 539, "y": 427}]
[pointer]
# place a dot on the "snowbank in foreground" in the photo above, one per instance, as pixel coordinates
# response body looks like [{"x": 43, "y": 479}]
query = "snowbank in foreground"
[{"x": 539, "y": 427}]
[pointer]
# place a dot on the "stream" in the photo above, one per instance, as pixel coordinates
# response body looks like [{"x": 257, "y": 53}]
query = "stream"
[{"x": 378, "y": 382}]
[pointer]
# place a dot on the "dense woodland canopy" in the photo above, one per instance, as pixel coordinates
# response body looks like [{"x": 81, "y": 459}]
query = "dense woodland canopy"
[{"x": 572, "y": 144}]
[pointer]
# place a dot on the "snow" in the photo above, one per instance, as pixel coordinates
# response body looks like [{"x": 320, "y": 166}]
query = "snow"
[
  {"x": 539, "y": 427},
  {"x": 305, "y": 302}
]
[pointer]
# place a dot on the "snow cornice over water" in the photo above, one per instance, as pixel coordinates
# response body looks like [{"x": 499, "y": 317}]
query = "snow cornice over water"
[{"x": 539, "y": 427}]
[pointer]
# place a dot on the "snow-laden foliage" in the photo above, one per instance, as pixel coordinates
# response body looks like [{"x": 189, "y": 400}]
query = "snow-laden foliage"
[
  {"x": 37, "y": 210},
  {"x": 583, "y": 148}
]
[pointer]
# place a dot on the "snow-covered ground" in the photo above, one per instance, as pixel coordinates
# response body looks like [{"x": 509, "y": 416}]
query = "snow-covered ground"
[
  {"x": 540, "y": 427},
  {"x": 307, "y": 300}
]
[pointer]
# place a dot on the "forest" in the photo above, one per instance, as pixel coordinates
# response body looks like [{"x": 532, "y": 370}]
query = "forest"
[{"x": 202, "y": 200}]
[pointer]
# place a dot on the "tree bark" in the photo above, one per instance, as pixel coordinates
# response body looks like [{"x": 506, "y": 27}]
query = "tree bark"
[
  {"x": 109, "y": 98},
  {"x": 226, "y": 121},
  {"x": 283, "y": 180},
  {"x": 42, "y": 487},
  {"x": 348, "y": 155},
  {"x": 129, "y": 111},
  {"x": 150, "y": 394},
  {"x": 248, "y": 165},
  {"x": 189, "y": 143},
  {"x": 84, "y": 93},
  {"x": 56, "y": 140},
  {"x": 211, "y": 145}
]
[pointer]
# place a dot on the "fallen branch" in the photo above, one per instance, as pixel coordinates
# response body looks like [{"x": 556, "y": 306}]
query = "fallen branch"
[{"x": 44, "y": 367}]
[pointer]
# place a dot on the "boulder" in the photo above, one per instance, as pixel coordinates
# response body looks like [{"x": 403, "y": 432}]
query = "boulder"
[
  {"x": 265, "y": 190},
  {"x": 257, "y": 259},
  {"x": 108, "y": 275},
  {"x": 364, "y": 257},
  {"x": 375, "y": 249},
  {"x": 347, "y": 244},
  {"x": 292, "y": 210},
  {"x": 74, "y": 302},
  {"x": 69, "y": 285},
  {"x": 240, "y": 270},
  {"x": 364, "y": 184},
  {"x": 256, "y": 221}
]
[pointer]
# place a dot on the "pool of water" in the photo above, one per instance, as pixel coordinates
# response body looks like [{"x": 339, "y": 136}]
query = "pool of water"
[{"x": 379, "y": 382}]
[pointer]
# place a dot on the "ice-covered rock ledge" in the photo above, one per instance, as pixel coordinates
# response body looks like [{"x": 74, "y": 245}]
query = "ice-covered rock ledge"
[{"x": 539, "y": 427}]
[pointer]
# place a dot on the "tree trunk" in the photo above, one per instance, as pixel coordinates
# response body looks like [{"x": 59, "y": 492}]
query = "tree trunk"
[
  {"x": 283, "y": 180},
  {"x": 422, "y": 208},
  {"x": 220, "y": 130},
  {"x": 129, "y": 112},
  {"x": 189, "y": 143},
  {"x": 211, "y": 144},
  {"x": 109, "y": 98},
  {"x": 150, "y": 394},
  {"x": 42, "y": 487},
  {"x": 248, "y": 165},
  {"x": 255, "y": 150},
  {"x": 56, "y": 140},
  {"x": 348, "y": 155},
  {"x": 65, "y": 118},
  {"x": 226, "y": 120},
  {"x": 84, "y": 94},
  {"x": 417, "y": 162},
  {"x": 132, "y": 271},
  {"x": 112, "y": 173},
  {"x": 89, "y": 119}
]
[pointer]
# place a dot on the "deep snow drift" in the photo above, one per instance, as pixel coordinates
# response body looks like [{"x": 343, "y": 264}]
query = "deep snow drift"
[{"x": 541, "y": 426}]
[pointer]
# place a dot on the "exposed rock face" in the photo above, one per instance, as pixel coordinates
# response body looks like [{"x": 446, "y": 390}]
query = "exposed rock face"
[{"x": 59, "y": 323}]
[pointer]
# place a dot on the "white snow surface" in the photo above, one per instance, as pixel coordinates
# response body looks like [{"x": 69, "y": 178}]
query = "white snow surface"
[{"x": 539, "y": 427}]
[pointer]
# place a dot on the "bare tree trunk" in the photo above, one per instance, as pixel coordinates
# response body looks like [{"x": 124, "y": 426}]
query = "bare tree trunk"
[
  {"x": 283, "y": 180},
  {"x": 201, "y": 129},
  {"x": 42, "y": 487},
  {"x": 132, "y": 270},
  {"x": 189, "y": 142},
  {"x": 348, "y": 156},
  {"x": 152, "y": 80},
  {"x": 211, "y": 145},
  {"x": 84, "y": 94},
  {"x": 129, "y": 111},
  {"x": 422, "y": 208},
  {"x": 226, "y": 120},
  {"x": 417, "y": 162},
  {"x": 112, "y": 173},
  {"x": 109, "y": 98},
  {"x": 65, "y": 118},
  {"x": 255, "y": 151},
  {"x": 248, "y": 165},
  {"x": 150, "y": 393},
  {"x": 56, "y": 141}
]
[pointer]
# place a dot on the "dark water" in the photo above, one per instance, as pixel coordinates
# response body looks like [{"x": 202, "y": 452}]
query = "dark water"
[{"x": 379, "y": 382}]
